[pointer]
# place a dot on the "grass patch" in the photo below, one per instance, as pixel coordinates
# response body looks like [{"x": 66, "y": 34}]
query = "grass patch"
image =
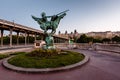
[
  {"x": 4, "y": 56},
  {"x": 17, "y": 53},
  {"x": 29, "y": 60}
]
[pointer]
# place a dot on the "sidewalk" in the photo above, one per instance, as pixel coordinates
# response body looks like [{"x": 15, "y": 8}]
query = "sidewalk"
[{"x": 11, "y": 50}]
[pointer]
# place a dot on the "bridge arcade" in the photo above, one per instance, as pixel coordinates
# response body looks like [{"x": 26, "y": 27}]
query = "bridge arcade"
[{"x": 11, "y": 26}]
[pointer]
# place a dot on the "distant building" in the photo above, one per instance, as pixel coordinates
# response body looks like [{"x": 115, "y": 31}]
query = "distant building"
[
  {"x": 71, "y": 35},
  {"x": 99, "y": 35},
  {"x": 107, "y": 34}
]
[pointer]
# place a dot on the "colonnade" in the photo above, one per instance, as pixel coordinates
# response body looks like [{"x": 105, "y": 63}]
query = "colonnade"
[
  {"x": 59, "y": 40},
  {"x": 18, "y": 28},
  {"x": 26, "y": 35}
]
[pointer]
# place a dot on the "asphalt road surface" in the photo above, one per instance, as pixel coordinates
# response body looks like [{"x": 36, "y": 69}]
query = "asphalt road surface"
[{"x": 102, "y": 66}]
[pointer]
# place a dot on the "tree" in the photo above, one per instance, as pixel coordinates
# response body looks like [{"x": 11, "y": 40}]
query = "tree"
[
  {"x": 116, "y": 39},
  {"x": 97, "y": 41},
  {"x": 85, "y": 39},
  {"x": 31, "y": 39},
  {"x": 106, "y": 40},
  {"x": 21, "y": 39},
  {"x": 82, "y": 39},
  {"x": 90, "y": 39},
  {"x": 6, "y": 40}
]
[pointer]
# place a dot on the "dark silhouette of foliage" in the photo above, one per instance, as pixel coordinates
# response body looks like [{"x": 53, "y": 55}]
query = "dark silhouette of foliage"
[{"x": 116, "y": 39}]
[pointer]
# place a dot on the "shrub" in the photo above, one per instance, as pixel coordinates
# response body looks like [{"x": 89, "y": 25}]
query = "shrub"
[{"x": 44, "y": 52}]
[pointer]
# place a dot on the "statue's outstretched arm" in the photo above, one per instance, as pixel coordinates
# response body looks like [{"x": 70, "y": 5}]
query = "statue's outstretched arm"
[{"x": 35, "y": 18}]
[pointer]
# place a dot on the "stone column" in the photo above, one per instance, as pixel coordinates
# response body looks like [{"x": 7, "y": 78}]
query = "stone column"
[
  {"x": 25, "y": 38},
  {"x": 2, "y": 37},
  {"x": 42, "y": 37},
  {"x": 57, "y": 40},
  {"x": 35, "y": 37},
  {"x": 11, "y": 37},
  {"x": 28, "y": 38},
  {"x": 17, "y": 38}
]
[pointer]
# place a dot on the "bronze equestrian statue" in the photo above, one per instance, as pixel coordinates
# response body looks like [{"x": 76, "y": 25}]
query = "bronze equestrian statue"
[{"x": 49, "y": 25}]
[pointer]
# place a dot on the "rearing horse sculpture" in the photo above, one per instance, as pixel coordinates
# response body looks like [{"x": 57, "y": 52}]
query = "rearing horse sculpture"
[{"x": 52, "y": 24}]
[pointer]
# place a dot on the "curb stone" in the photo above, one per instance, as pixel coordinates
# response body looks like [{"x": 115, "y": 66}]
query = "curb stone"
[{"x": 44, "y": 70}]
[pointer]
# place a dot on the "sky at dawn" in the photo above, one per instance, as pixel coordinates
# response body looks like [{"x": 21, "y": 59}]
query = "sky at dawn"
[{"x": 83, "y": 15}]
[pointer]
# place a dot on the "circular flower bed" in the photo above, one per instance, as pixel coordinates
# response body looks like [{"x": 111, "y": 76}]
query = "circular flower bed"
[{"x": 46, "y": 59}]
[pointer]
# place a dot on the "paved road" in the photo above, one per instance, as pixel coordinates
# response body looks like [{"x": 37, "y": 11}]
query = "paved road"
[
  {"x": 19, "y": 48},
  {"x": 100, "y": 67}
]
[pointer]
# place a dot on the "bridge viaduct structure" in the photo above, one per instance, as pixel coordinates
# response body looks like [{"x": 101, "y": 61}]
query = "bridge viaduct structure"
[{"x": 11, "y": 26}]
